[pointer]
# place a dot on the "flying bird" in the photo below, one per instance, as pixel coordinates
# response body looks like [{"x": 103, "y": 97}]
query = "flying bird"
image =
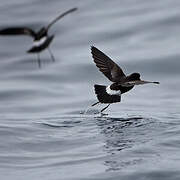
[
  {"x": 41, "y": 39},
  {"x": 121, "y": 83}
]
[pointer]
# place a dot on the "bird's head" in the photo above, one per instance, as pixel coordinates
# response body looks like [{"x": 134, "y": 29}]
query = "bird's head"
[
  {"x": 41, "y": 33},
  {"x": 134, "y": 79}
]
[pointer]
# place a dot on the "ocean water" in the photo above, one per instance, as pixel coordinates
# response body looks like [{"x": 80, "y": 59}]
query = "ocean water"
[{"x": 43, "y": 131}]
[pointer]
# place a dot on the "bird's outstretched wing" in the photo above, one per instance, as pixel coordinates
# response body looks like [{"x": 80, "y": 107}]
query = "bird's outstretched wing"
[
  {"x": 109, "y": 68},
  {"x": 60, "y": 16},
  {"x": 18, "y": 31}
]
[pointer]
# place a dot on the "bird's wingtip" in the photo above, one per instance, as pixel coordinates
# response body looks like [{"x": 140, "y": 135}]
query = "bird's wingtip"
[
  {"x": 74, "y": 9},
  {"x": 93, "y": 47}
]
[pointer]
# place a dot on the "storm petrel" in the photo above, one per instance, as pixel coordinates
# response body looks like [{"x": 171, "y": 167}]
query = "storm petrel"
[
  {"x": 121, "y": 83},
  {"x": 41, "y": 39}
]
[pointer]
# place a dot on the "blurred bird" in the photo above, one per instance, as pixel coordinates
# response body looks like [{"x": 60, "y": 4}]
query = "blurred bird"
[
  {"x": 41, "y": 39},
  {"x": 121, "y": 83}
]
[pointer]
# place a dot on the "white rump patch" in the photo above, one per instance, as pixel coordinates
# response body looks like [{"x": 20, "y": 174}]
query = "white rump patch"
[
  {"x": 112, "y": 92},
  {"x": 40, "y": 42}
]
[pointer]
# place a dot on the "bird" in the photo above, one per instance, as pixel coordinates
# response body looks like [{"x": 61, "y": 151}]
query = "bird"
[
  {"x": 120, "y": 82},
  {"x": 41, "y": 39}
]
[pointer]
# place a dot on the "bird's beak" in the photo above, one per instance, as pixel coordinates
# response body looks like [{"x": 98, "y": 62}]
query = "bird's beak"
[
  {"x": 140, "y": 82},
  {"x": 146, "y": 82}
]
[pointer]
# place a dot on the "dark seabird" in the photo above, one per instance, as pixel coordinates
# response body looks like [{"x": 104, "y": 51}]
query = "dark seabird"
[
  {"x": 41, "y": 38},
  {"x": 121, "y": 83}
]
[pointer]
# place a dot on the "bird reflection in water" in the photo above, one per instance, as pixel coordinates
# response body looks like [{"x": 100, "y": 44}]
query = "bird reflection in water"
[{"x": 119, "y": 135}]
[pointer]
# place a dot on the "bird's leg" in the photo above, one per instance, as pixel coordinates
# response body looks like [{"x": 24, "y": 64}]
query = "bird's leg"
[
  {"x": 95, "y": 104},
  {"x": 51, "y": 54},
  {"x": 90, "y": 107},
  {"x": 39, "y": 60},
  {"x": 105, "y": 108}
]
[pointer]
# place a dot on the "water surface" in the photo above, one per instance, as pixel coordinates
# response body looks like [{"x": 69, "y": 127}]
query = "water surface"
[{"x": 43, "y": 133}]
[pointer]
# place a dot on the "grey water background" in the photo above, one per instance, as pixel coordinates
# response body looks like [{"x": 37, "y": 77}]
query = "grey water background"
[{"x": 44, "y": 135}]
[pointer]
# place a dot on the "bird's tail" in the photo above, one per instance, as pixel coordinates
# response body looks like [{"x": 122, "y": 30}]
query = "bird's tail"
[{"x": 103, "y": 96}]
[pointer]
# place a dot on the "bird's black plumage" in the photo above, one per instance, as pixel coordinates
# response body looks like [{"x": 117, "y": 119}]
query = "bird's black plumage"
[
  {"x": 18, "y": 31},
  {"x": 109, "y": 68},
  {"x": 41, "y": 38},
  {"x": 121, "y": 83}
]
